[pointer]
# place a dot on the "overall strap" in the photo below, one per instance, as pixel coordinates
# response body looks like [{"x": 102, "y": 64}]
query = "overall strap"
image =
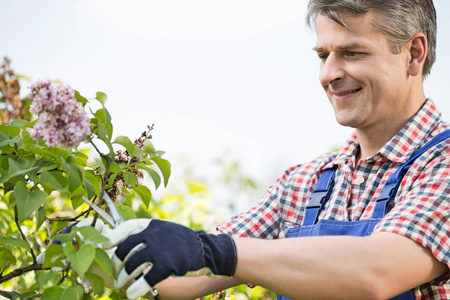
[
  {"x": 319, "y": 196},
  {"x": 325, "y": 184},
  {"x": 390, "y": 189}
]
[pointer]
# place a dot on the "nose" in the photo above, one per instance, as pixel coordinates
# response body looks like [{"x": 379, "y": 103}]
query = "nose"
[{"x": 331, "y": 70}]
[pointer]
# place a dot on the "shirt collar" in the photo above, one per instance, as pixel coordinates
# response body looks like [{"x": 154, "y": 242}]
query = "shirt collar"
[{"x": 407, "y": 141}]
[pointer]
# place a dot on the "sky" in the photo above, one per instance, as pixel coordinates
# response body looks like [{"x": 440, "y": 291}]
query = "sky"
[{"x": 214, "y": 77}]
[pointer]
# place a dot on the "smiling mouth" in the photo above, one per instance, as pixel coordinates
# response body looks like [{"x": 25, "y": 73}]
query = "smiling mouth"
[{"x": 349, "y": 92}]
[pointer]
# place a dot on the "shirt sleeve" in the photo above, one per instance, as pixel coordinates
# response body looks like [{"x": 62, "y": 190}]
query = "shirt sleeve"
[
  {"x": 281, "y": 206},
  {"x": 422, "y": 213}
]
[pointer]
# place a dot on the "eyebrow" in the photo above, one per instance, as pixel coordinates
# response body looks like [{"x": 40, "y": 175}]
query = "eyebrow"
[{"x": 341, "y": 48}]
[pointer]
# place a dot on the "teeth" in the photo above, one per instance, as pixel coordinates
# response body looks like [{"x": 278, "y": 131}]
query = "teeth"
[{"x": 349, "y": 92}]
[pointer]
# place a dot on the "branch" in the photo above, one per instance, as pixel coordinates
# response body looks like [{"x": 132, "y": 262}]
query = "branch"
[
  {"x": 64, "y": 276},
  {"x": 4, "y": 269},
  {"x": 104, "y": 182},
  {"x": 33, "y": 296},
  {"x": 16, "y": 219},
  {"x": 49, "y": 231},
  {"x": 20, "y": 271},
  {"x": 98, "y": 151},
  {"x": 7, "y": 293},
  {"x": 60, "y": 219}
]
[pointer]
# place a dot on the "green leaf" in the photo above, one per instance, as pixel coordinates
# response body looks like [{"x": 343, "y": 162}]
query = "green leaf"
[
  {"x": 130, "y": 178},
  {"x": 164, "y": 166},
  {"x": 153, "y": 174},
  {"x": 102, "y": 259},
  {"x": 144, "y": 193},
  {"x": 103, "y": 116},
  {"x": 126, "y": 142},
  {"x": 19, "y": 243},
  {"x": 114, "y": 167},
  {"x": 6, "y": 257},
  {"x": 126, "y": 212},
  {"x": 27, "y": 202},
  {"x": 91, "y": 234},
  {"x": 10, "y": 130},
  {"x": 93, "y": 182},
  {"x": 3, "y": 137},
  {"x": 58, "y": 293},
  {"x": 80, "y": 98},
  {"x": 67, "y": 237},
  {"x": 8, "y": 142},
  {"x": 40, "y": 216},
  {"x": 102, "y": 97},
  {"x": 48, "y": 179},
  {"x": 148, "y": 147},
  {"x": 97, "y": 283},
  {"x": 74, "y": 175},
  {"x": 104, "y": 126},
  {"x": 20, "y": 123},
  {"x": 81, "y": 259},
  {"x": 137, "y": 152},
  {"x": 16, "y": 168},
  {"x": 46, "y": 154},
  {"x": 80, "y": 160},
  {"x": 54, "y": 256},
  {"x": 80, "y": 292},
  {"x": 103, "y": 135},
  {"x": 90, "y": 189}
]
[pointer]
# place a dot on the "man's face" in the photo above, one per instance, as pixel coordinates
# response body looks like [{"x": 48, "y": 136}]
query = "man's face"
[{"x": 366, "y": 83}]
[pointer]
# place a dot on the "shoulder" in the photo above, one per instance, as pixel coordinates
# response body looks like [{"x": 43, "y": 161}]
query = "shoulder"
[
  {"x": 442, "y": 148},
  {"x": 309, "y": 170},
  {"x": 436, "y": 160}
]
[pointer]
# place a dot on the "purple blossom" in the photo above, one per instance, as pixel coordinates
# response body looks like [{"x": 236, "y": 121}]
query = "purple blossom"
[{"x": 62, "y": 119}]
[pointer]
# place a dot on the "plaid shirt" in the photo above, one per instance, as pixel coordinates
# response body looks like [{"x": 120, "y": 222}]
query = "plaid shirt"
[{"x": 422, "y": 206}]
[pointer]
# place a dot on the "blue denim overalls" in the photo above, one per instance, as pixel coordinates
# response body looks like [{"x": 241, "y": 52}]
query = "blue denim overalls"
[{"x": 322, "y": 192}]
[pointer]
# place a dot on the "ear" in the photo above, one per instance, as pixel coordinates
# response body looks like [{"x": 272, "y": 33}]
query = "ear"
[{"x": 418, "y": 49}]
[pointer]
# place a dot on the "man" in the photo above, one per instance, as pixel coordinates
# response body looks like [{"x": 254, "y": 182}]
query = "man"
[{"x": 374, "y": 55}]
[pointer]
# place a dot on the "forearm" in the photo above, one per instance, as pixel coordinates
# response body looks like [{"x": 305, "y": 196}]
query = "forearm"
[
  {"x": 336, "y": 267},
  {"x": 179, "y": 288}
]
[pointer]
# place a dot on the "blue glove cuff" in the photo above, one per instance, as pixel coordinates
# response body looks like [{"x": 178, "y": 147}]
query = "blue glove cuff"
[{"x": 219, "y": 252}]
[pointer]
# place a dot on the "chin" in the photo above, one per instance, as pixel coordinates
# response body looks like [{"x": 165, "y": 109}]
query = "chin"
[{"x": 347, "y": 122}]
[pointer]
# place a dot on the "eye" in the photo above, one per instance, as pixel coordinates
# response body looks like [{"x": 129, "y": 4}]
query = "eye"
[
  {"x": 323, "y": 56},
  {"x": 352, "y": 54}
]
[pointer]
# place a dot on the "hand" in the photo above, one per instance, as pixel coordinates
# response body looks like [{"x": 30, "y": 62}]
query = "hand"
[{"x": 167, "y": 249}]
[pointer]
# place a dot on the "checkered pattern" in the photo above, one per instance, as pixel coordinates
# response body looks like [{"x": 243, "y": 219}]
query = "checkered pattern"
[{"x": 422, "y": 206}]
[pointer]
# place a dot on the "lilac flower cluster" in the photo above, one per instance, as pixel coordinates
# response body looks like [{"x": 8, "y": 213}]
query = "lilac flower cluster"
[{"x": 62, "y": 119}]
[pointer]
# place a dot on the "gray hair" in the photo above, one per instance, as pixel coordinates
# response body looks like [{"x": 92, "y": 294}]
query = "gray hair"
[{"x": 401, "y": 20}]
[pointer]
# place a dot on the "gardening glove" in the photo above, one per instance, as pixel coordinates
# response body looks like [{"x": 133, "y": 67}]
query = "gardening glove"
[{"x": 167, "y": 249}]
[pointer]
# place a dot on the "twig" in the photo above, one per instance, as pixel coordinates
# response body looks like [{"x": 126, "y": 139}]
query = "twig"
[
  {"x": 98, "y": 151},
  {"x": 7, "y": 293},
  {"x": 49, "y": 231},
  {"x": 61, "y": 219},
  {"x": 16, "y": 219},
  {"x": 33, "y": 296},
  {"x": 64, "y": 276},
  {"x": 104, "y": 182},
  {"x": 4, "y": 269},
  {"x": 20, "y": 271}
]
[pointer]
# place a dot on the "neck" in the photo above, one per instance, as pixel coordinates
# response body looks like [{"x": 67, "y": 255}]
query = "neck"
[{"x": 373, "y": 138}]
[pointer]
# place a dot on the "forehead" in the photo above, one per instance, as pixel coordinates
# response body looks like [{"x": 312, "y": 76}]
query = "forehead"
[{"x": 360, "y": 31}]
